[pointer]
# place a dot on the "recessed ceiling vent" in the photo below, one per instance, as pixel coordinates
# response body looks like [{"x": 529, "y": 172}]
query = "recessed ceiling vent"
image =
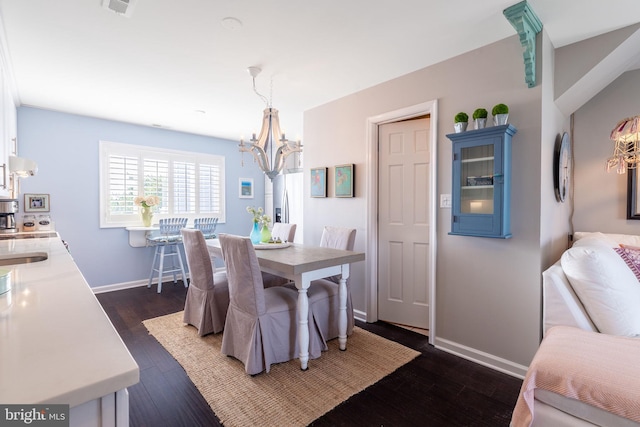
[{"x": 121, "y": 7}]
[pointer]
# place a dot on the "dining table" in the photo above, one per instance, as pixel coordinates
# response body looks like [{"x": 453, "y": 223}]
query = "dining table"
[{"x": 302, "y": 264}]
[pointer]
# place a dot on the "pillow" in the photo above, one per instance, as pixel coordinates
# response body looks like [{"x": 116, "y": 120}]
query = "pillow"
[
  {"x": 593, "y": 239},
  {"x": 606, "y": 286},
  {"x": 631, "y": 256}
]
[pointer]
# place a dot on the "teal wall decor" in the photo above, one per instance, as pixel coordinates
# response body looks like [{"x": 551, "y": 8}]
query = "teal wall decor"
[{"x": 527, "y": 24}]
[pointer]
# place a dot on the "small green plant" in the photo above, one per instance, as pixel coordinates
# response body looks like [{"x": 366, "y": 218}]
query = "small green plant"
[
  {"x": 500, "y": 109},
  {"x": 461, "y": 118},
  {"x": 480, "y": 113}
]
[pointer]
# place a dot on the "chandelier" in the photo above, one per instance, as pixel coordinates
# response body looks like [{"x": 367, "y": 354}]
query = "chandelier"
[
  {"x": 626, "y": 151},
  {"x": 271, "y": 149}
]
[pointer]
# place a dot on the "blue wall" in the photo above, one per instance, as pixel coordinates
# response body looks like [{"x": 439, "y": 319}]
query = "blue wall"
[{"x": 65, "y": 147}]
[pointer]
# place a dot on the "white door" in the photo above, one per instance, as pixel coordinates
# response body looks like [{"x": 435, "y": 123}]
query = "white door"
[{"x": 403, "y": 222}]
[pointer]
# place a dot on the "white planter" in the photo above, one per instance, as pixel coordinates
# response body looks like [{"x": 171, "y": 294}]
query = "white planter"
[
  {"x": 480, "y": 123},
  {"x": 500, "y": 119},
  {"x": 460, "y": 127}
]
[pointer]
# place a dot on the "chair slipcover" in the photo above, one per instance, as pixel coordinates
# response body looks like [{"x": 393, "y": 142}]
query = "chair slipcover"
[
  {"x": 323, "y": 294},
  {"x": 208, "y": 295},
  {"x": 261, "y": 327},
  {"x": 286, "y": 233}
]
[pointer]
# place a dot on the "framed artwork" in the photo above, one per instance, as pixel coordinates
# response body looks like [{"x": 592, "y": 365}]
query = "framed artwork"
[
  {"x": 344, "y": 180},
  {"x": 318, "y": 182},
  {"x": 246, "y": 188},
  {"x": 633, "y": 199},
  {"x": 36, "y": 203}
]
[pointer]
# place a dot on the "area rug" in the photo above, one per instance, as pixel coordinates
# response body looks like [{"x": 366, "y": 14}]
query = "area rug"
[{"x": 286, "y": 395}]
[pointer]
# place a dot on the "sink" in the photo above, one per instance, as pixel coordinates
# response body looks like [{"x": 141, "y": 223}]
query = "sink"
[{"x": 23, "y": 258}]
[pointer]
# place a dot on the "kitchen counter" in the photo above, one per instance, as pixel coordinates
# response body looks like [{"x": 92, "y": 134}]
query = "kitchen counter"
[{"x": 57, "y": 345}]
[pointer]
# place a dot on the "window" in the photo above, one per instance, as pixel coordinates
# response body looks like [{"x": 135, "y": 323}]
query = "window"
[{"x": 188, "y": 184}]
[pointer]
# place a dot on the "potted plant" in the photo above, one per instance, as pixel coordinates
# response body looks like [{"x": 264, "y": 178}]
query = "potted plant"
[
  {"x": 500, "y": 114},
  {"x": 460, "y": 122},
  {"x": 480, "y": 118}
]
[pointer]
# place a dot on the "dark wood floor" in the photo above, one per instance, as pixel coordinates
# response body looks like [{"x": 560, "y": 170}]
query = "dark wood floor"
[{"x": 435, "y": 389}]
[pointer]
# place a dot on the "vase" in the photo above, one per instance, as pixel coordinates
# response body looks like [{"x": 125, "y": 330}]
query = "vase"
[
  {"x": 255, "y": 235},
  {"x": 460, "y": 127},
  {"x": 265, "y": 234},
  {"x": 500, "y": 119},
  {"x": 147, "y": 216},
  {"x": 480, "y": 123}
]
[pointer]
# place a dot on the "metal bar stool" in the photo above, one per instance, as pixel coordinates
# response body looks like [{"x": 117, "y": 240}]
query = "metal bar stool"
[
  {"x": 207, "y": 226},
  {"x": 166, "y": 243}
]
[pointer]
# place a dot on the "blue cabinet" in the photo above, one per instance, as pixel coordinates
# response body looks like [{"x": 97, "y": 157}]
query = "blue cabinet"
[{"x": 480, "y": 203}]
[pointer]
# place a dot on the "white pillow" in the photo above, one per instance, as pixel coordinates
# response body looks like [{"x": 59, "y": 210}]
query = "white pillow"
[
  {"x": 606, "y": 286},
  {"x": 594, "y": 239}
]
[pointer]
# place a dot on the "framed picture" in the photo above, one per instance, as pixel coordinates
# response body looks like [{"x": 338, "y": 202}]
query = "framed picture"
[
  {"x": 246, "y": 188},
  {"x": 633, "y": 196},
  {"x": 36, "y": 203},
  {"x": 344, "y": 180},
  {"x": 318, "y": 182}
]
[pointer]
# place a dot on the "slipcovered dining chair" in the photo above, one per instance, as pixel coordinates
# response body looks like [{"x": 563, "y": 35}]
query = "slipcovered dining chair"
[
  {"x": 261, "y": 326},
  {"x": 207, "y": 298},
  {"x": 167, "y": 245},
  {"x": 286, "y": 233},
  {"x": 324, "y": 293}
]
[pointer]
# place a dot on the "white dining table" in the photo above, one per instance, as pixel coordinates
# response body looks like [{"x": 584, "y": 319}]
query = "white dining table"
[{"x": 302, "y": 264}]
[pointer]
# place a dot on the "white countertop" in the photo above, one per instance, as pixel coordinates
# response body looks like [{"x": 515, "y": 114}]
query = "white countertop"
[{"x": 57, "y": 345}]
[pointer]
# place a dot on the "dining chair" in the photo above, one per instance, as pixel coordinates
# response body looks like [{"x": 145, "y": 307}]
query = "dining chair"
[
  {"x": 207, "y": 298},
  {"x": 261, "y": 328},
  {"x": 286, "y": 233},
  {"x": 166, "y": 242},
  {"x": 324, "y": 294}
]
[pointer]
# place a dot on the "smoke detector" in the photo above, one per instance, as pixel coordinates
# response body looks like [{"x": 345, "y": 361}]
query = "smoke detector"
[{"x": 121, "y": 7}]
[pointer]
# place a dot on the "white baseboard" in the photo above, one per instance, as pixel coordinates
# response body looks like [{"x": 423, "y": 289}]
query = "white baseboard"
[
  {"x": 120, "y": 286},
  {"x": 360, "y": 315},
  {"x": 482, "y": 358}
]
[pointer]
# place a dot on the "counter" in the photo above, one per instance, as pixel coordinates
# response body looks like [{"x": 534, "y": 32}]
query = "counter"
[{"x": 57, "y": 345}]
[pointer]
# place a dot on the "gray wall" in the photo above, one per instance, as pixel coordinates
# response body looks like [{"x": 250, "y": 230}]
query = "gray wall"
[
  {"x": 488, "y": 290},
  {"x": 65, "y": 147},
  {"x": 601, "y": 197}
]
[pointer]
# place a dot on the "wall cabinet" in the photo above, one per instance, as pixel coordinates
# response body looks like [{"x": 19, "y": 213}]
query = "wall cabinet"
[{"x": 480, "y": 203}]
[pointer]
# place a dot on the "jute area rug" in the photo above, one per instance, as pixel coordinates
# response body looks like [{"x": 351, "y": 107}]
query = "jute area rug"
[{"x": 286, "y": 396}]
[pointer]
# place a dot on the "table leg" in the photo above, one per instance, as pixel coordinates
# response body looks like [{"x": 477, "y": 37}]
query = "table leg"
[
  {"x": 303, "y": 327},
  {"x": 342, "y": 315}
]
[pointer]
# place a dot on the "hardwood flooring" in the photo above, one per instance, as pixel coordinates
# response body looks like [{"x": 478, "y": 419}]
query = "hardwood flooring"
[{"x": 435, "y": 389}]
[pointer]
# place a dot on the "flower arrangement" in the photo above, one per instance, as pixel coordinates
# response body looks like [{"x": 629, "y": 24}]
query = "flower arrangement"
[
  {"x": 258, "y": 216},
  {"x": 146, "y": 201}
]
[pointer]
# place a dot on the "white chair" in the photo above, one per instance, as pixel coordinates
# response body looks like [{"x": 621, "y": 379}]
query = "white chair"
[
  {"x": 286, "y": 233},
  {"x": 261, "y": 326},
  {"x": 324, "y": 293},
  {"x": 207, "y": 298},
  {"x": 283, "y": 231},
  {"x": 207, "y": 226},
  {"x": 166, "y": 243}
]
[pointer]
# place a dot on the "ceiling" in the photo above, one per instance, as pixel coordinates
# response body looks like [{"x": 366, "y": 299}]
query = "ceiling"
[{"x": 177, "y": 65}]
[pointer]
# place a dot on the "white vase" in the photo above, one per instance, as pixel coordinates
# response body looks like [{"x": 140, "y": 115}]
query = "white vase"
[
  {"x": 480, "y": 123},
  {"x": 500, "y": 119},
  {"x": 460, "y": 127}
]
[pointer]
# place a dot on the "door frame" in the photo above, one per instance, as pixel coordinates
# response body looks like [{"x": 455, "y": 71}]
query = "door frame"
[{"x": 371, "y": 274}]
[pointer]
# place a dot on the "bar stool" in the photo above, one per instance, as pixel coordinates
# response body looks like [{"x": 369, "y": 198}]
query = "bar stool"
[
  {"x": 207, "y": 226},
  {"x": 166, "y": 243}
]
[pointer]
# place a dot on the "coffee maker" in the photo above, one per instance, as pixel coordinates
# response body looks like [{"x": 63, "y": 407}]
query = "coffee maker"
[{"x": 8, "y": 210}]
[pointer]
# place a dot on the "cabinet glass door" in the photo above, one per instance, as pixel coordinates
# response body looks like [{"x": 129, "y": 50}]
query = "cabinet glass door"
[{"x": 476, "y": 179}]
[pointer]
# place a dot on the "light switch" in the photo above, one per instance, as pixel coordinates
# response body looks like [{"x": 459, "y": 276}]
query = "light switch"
[{"x": 445, "y": 200}]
